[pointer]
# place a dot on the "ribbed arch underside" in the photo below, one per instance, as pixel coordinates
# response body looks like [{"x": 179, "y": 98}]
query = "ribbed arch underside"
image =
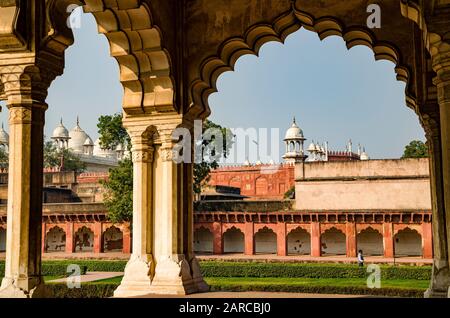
[
  {"x": 135, "y": 43},
  {"x": 231, "y": 50}
]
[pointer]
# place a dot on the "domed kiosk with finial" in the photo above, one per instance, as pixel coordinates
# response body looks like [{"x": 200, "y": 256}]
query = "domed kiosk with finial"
[
  {"x": 61, "y": 136},
  {"x": 294, "y": 141}
]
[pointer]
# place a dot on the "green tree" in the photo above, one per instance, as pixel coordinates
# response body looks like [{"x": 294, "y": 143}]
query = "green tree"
[
  {"x": 415, "y": 149},
  {"x": 202, "y": 170},
  {"x": 54, "y": 157},
  {"x": 112, "y": 133},
  {"x": 4, "y": 158},
  {"x": 118, "y": 198}
]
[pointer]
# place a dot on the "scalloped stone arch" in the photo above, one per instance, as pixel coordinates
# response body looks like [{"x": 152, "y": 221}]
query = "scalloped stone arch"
[
  {"x": 134, "y": 41},
  {"x": 256, "y": 36}
]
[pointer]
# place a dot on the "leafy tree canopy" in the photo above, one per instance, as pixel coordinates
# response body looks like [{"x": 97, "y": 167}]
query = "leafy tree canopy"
[
  {"x": 112, "y": 133},
  {"x": 416, "y": 149},
  {"x": 4, "y": 158},
  {"x": 118, "y": 197},
  {"x": 64, "y": 158},
  {"x": 119, "y": 186}
]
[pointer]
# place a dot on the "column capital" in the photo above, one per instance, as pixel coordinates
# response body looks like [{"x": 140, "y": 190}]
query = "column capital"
[
  {"x": 142, "y": 154},
  {"x": 25, "y": 84}
]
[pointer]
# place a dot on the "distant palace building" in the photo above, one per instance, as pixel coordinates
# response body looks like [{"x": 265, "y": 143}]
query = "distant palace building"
[
  {"x": 92, "y": 154},
  {"x": 343, "y": 202}
]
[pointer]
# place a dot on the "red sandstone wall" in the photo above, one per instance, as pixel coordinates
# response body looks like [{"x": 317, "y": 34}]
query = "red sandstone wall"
[{"x": 261, "y": 182}]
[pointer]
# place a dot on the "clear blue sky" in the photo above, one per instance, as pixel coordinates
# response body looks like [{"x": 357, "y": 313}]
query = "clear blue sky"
[{"x": 335, "y": 94}]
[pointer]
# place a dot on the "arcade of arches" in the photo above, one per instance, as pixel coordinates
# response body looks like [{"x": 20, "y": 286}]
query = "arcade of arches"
[
  {"x": 170, "y": 54},
  {"x": 327, "y": 239}
]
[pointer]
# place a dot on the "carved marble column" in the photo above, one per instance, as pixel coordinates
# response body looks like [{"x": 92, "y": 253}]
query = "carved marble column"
[
  {"x": 139, "y": 269},
  {"x": 173, "y": 272},
  {"x": 441, "y": 65},
  {"x": 25, "y": 89},
  {"x": 440, "y": 279}
]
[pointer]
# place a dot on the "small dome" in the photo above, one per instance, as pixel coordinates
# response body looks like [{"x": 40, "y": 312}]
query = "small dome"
[
  {"x": 88, "y": 142},
  {"x": 312, "y": 147},
  {"x": 294, "y": 132},
  {"x": 77, "y": 138},
  {"x": 4, "y": 137},
  {"x": 317, "y": 147},
  {"x": 364, "y": 156},
  {"x": 60, "y": 132}
]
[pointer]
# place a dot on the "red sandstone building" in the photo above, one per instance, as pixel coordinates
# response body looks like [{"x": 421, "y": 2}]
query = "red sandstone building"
[{"x": 341, "y": 204}]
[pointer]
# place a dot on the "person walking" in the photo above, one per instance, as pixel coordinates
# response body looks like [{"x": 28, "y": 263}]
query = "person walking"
[{"x": 360, "y": 258}]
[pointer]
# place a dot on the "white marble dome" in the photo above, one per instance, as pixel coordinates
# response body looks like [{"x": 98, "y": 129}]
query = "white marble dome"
[
  {"x": 294, "y": 132},
  {"x": 77, "y": 138},
  {"x": 4, "y": 137},
  {"x": 60, "y": 132}
]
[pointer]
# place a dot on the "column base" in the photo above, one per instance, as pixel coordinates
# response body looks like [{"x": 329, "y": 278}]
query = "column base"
[
  {"x": 137, "y": 278},
  {"x": 202, "y": 286},
  {"x": 9, "y": 290},
  {"x": 173, "y": 277},
  {"x": 440, "y": 281}
]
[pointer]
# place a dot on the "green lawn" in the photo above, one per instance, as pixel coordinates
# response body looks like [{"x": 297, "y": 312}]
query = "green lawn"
[{"x": 313, "y": 282}]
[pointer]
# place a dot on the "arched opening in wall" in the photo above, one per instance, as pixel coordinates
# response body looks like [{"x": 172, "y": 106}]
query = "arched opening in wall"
[
  {"x": 233, "y": 241},
  {"x": 407, "y": 242},
  {"x": 84, "y": 240},
  {"x": 299, "y": 242},
  {"x": 261, "y": 186},
  {"x": 203, "y": 241},
  {"x": 112, "y": 240},
  {"x": 2, "y": 239},
  {"x": 55, "y": 240},
  {"x": 370, "y": 241},
  {"x": 338, "y": 97},
  {"x": 91, "y": 86},
  {"x": 333, "y": 242},
  {"x": 265, "y": 241}
]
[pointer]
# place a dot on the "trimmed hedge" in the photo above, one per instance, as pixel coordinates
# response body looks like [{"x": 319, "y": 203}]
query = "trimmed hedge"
[
  {"x": 252, "y": 269},
  {"x": 233, "y": 269},
  {"x": 87, "y": 290},
  {"x": 94, "y": 265},
  {"x": 54, "y": 269},
  {"x": 105, "y": 290}
]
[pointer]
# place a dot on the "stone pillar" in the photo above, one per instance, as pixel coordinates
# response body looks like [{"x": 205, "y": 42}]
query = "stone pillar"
[
  {"x": 139, "y": 269},
  {"x": 440, "y": 52},
  {"x": 98, "y": 238},
  {"x": 430, "y": 119},
  {"x": 316, "y": 247},
  {"x": 25, "y": 89},
  {"x": 388, "y": 240},
  {"x": 249, "y": 238},
  {"x": 218, "y": 238},
  {"x": 70, "y": 244},
  {"x": 350, "y": 229},
  {"x": 427, "y": 240},
  {"x": 173, "y": 273},
  {"x": 126, "y": 248},
  {"x": 281, "y": 239}
]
